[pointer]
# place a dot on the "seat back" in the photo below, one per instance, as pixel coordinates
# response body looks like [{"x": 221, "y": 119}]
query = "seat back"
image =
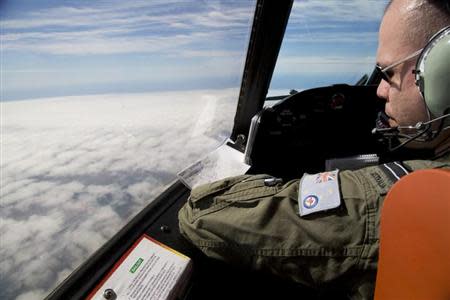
[{"x": 414, "y": 260}]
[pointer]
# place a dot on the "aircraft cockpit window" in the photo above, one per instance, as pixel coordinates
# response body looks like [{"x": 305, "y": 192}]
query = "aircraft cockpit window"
[
  {"x": 102, "y": 104},
  {"x": 325, "y": 43}
]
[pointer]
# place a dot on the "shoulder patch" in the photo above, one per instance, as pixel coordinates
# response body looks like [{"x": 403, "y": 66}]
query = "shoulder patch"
[{"x": 318, "y": 192}]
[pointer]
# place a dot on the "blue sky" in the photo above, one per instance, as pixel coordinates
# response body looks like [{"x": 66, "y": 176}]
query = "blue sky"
[
  {"x": 59, "y": 48},
  {"x": 112, "y": 46},
  {"x": 328, "y": 42}
]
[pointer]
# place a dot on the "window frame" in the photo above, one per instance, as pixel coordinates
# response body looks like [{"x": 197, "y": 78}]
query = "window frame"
[{"x": 269, "y": 25}]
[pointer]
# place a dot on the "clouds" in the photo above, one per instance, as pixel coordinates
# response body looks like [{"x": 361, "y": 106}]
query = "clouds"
[
  {"x": 75, "y": 48},
  {"x": 324, "y": 64},
  {"x": 335, "y": 11},
  {"x": 113, "y": 27},
  {"x": 76, "y": 169},
  {"x": 328, "y": 42},
  {"x": 332, "y": 22},
  {"x": 96, "y": 47}
]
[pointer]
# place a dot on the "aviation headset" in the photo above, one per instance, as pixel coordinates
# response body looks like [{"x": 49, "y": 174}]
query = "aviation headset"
[{"x": 432, "y": 75}]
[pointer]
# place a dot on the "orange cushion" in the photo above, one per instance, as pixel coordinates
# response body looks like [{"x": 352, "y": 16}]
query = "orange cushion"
[{"x": 414, "y": 258}]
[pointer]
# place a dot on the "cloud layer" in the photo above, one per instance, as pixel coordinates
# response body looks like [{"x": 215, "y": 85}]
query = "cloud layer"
[{"x": 76, "y": 169}]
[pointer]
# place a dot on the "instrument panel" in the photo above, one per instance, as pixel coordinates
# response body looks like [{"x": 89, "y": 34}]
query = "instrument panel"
[{"x": 300, "y": 132}]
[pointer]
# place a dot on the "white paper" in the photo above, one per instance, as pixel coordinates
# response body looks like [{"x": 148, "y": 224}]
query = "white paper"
[
  {"x": 150, "y": 271},
  {"x": 221, "y": 163}
]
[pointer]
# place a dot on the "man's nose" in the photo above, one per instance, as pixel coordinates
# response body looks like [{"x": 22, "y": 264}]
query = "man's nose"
[{"x": 383, "y": 89}]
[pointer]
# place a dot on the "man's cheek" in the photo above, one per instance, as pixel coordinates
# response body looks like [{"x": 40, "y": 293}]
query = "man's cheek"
[{"x": 392, "y": 123}]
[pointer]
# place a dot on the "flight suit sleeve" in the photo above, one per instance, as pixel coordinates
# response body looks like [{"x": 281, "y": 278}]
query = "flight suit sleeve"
[{"x": 247, "y": 222}]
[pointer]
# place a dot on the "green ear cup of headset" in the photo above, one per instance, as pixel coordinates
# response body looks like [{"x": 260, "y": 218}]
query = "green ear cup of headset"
[{"x": 433, "y": 74}]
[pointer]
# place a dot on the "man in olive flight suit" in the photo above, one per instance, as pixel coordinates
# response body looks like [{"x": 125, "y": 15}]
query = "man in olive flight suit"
[{"x": 324, "y": 227}]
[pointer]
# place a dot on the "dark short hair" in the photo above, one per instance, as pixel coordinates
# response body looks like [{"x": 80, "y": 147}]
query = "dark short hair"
[{"x": 442, "y": 5}]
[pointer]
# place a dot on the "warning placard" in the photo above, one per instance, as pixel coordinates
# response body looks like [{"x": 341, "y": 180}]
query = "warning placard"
[{"x": 149, "y": 270}]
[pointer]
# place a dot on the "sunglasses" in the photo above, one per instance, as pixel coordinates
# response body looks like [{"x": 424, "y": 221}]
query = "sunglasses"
[{"x": 387, "y": 73}]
